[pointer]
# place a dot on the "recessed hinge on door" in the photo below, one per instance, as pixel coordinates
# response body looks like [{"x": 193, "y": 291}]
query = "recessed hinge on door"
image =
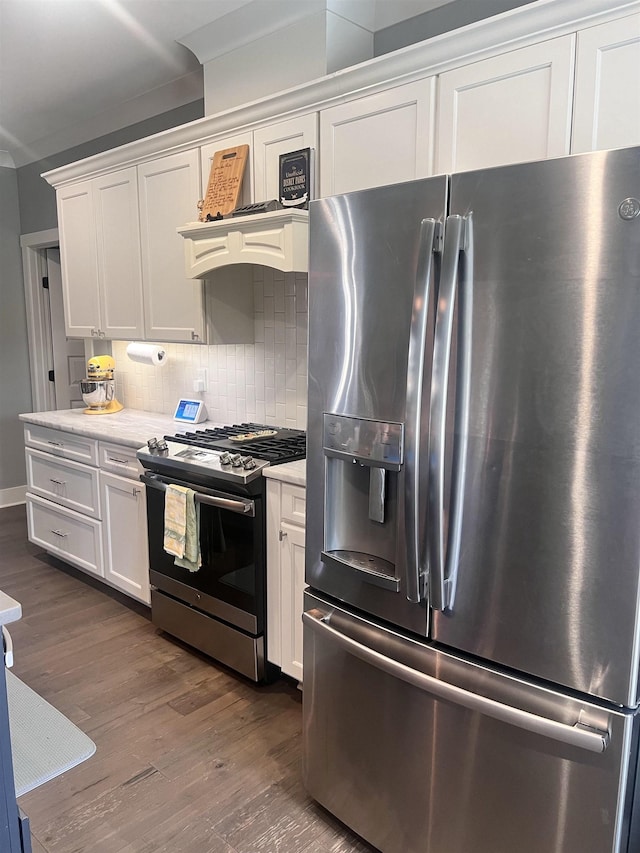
[{"x": 45, "y": 282}]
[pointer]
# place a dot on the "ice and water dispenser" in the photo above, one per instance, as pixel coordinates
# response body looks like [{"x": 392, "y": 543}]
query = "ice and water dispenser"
[{"x": 363, "y": 459}]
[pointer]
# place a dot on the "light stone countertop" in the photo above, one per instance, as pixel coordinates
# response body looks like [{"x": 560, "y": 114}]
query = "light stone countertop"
[
  {"x": 290, "y": 472},
  {"x": 131, "y": 427},
  {"x": 10, "y": 609}
]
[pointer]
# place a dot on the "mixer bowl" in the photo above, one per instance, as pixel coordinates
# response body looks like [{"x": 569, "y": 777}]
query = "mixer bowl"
[{"x": 97, "y": 393}]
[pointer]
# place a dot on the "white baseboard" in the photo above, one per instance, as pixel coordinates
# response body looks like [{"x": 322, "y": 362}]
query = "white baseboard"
[{"x": 11, "y": 497}]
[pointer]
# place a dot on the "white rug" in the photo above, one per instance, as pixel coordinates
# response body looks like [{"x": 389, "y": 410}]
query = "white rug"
[{"x": 43, "y": 741}]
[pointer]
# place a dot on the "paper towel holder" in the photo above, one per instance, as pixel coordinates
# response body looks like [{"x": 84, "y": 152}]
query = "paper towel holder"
[{"x": 144, "y": 353}]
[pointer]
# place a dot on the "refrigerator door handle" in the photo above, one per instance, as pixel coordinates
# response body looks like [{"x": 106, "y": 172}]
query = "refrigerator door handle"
[
  {"x": 430, "y": 234},
  {"x": 578, "y": 735},
  {"x": 439, "y": 586}
]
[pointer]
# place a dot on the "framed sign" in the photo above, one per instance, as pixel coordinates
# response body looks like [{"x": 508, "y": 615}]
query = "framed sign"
[
  {"x": 296, "y": 178},
  {"x": 225, "y": 181}
]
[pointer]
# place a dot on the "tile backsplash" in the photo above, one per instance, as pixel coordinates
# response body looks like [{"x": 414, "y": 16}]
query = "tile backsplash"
[{"x": 265, "y": 382}]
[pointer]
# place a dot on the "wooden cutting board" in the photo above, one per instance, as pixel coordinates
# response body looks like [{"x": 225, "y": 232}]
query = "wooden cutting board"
[{"x": 225, "y": 181}]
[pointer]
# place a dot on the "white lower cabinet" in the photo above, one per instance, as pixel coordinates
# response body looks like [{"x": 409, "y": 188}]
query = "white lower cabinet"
[
  {"x": 66, "y": 534},
  {"x": 291, "y": 592},
  {"x": 126, "y": 553},
  {"x": 285, "y": 576},
  {"x": 84, "y": 512}
]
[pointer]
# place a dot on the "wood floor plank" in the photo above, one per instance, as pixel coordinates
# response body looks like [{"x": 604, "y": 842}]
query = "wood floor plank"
[{"x": 191, "y": 758}]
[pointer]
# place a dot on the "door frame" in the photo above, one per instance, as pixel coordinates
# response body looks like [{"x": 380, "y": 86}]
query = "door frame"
[{"x": 38, "y": 325}]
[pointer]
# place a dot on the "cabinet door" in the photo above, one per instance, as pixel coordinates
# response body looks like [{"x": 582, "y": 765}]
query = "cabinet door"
[
  {"x": 124, "y": 517},
  {"x": 274, "y": 594},
  {"x": 292, "y": 580},
  {"x": 118, "y": 241},
  {"x": 206, "y": 156},
  {"x": 276, "y": 139},
  {"x": 507, "y": 109},
  {"x": 79, "y": 260},
  {"x": 169, "y": 191},
  {"x": 381, "y": 139},
  {"x": 607, "y": 100}
]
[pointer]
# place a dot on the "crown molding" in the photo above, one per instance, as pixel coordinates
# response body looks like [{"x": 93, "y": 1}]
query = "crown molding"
[{"x": 535, "y": 22}]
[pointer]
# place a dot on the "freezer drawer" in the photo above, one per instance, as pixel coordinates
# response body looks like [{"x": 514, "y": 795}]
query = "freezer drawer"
[{"x": 420, "y": 751}]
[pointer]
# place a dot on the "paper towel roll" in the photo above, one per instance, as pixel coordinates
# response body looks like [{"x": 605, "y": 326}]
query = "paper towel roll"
[{"x": 147, "y": 354}]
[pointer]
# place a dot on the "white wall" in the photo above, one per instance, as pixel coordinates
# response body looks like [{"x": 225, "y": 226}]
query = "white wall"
[{"x": 265, "y": 382}]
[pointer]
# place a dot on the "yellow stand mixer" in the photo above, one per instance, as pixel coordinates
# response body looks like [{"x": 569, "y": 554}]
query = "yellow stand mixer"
[{"x": 99, "y": 388}]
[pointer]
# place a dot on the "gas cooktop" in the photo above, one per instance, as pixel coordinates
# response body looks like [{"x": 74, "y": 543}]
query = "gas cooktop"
[
  {"x": 237, "y": 452},
  {"x": 273, "y": 444}
]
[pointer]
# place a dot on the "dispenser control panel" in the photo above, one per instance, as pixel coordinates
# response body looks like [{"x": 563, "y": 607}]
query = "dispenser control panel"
[{"x": 375, "y": 443}]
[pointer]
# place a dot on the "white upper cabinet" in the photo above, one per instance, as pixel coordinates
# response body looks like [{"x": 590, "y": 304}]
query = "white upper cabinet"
[
  {"x": 510, "y": 108},
  {"x": 380, "y": 139},
  {"x": 272, "y": 141},
  {"x": 79, "y": 260},
  {"x": 607, "y": 100},
  {"x": 118, "y": 244},
  {"x": 100, "y": 256},
  {"x": 206, "y": 157},
  {"x": 169, "y": 190}
]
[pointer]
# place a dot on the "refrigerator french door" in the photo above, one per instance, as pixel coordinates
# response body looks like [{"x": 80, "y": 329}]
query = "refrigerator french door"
[{"x": 473, "y": 491}]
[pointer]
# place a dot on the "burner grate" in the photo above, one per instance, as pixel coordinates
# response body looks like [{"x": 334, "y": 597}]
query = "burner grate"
[{"x": 287, "y": 446}]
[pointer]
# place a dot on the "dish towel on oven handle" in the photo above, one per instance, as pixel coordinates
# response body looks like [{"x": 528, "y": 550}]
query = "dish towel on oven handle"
[{"x": 182, "y": 527}]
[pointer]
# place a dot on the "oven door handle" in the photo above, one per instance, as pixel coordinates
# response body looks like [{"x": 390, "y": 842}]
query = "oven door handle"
[{"x": 211, "y": 498}]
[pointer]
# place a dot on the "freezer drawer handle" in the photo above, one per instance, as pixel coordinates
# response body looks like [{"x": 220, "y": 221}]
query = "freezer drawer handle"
[{"x": 576, "y": 735}]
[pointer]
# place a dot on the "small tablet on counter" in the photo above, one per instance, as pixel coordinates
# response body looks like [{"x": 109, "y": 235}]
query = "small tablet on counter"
[{"x": 190, "y": 411}]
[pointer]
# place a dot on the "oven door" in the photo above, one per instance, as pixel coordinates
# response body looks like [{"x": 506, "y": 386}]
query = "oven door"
[{"x": 230, "y": 583}]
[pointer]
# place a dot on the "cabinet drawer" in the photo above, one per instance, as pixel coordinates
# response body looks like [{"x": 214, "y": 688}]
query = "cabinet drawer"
[
  {"x": 119, "y": 460},
  {"x": 60, "y": 443},
  {"x": 65, "y": 482},
  {"x": 67, "y": 534},
  {"x": 293, "y": 503}
]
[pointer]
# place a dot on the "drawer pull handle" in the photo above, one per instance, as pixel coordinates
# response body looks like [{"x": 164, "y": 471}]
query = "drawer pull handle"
[
  {"x": 58, "y": 482},
  {"x": 55, "y": 443},
  {"x": 119, "y": 461},
  {"x": 60, "y": 533}
]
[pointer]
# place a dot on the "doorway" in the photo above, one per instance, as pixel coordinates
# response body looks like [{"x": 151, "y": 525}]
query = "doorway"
[{"x": 57, "y": 363}]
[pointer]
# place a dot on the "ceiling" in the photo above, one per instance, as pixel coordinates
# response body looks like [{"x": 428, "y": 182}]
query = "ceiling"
[{"x": 73, "y": 70}]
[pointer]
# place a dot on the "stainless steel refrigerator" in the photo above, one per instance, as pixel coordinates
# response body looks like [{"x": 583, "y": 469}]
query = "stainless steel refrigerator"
[{"x": 472, "y": 624}]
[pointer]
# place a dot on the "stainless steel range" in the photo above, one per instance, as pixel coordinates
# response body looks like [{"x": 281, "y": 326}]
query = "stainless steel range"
[{"x": 221, "y": 608}]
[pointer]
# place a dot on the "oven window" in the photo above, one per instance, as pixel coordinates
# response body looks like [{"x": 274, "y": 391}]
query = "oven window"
[{"x": 232, "y": 560}]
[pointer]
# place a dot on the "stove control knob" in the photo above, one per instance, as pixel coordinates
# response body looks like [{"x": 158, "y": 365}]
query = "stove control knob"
[
  {"x": 162, "y": 446},
  {"x": 248, "y": 463},
  {"x": 225, "y": 458},
  {"x": 236, "y": 460},
  {"x": 152, "y": 444}
]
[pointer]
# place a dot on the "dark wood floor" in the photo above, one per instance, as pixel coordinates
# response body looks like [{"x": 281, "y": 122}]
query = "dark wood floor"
[{"x": 190, "y": 758}]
